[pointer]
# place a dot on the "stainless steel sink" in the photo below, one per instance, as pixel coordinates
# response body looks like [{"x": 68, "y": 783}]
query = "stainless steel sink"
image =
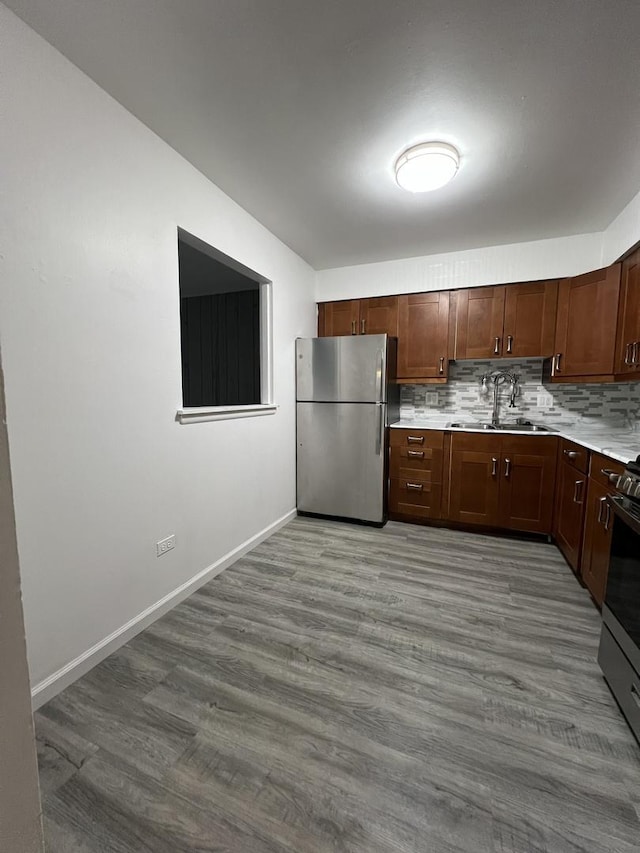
[
  {"x": 460, "y": 425},
  {"x": 498, "y": 427},
  {"x": 526, "y": 428}
]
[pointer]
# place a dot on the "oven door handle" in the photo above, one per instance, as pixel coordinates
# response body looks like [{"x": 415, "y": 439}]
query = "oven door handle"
[{"x": 617, "y": 505}]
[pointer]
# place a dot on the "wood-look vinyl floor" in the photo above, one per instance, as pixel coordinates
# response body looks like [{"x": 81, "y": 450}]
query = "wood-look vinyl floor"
[{"x": 343, "y": 688}]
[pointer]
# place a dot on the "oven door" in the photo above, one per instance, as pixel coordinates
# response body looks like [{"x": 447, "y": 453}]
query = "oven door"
[{"x": 621, "y": 611}]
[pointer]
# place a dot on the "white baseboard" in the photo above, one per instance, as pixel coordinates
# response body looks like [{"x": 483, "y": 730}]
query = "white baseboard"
[{"x": 66, "y": 675}]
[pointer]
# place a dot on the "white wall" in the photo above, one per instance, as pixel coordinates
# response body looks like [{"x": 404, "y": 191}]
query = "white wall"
[
  {"x": 89, "y": 317},
  {"x": 540, "y": 259},
  {"x": 20, "y": 822}
]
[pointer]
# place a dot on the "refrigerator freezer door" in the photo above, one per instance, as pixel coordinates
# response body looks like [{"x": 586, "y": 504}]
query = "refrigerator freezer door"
[
  {"x": 342, "y": 370},
  {"x": 341, "y": 459}
]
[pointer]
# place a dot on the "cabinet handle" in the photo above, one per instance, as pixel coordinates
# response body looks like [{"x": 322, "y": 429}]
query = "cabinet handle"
[
  {"x": 414, "y": 487},
  {"x": 494, "y": 467},
  {"x": 602, "y": 503},
  {"x": 613, "y": 476},
  {"x": 507, "y": 468},
  {"x": 608, "y": 517},
  {"x": 417, "y": 453},
  {"x": 363, "y": 326},
  {"x": 571, "y": 454},
  {"x": 577, "y": 491},
  {"x": 556, "y": 362},
  {"x": 509, "y": 344},
  {"x": 634, "y": 352},
  {"x": 441, "y": 368},
  {"x": 353, "y": 327},
  {"x": 627, "y": 354},
  {"x": 415, "y": 439},
  {"x": 496, "y": 348}
]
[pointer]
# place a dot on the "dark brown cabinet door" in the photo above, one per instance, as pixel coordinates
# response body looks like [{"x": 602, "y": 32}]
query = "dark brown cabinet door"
[
  {"x": 530, "y": 319},
  {"x": 586, "y": 324},
  {"x": 569, "y": 507},
  {"x": 597, "y": 541},
  {"x": 479, "y": 322},
  {"x": 379, "y": 316},
  {"x": 527, "y": 482},
  {"x": 339, "y": 318},
  {"x": 628, "y": 345},
  {"x": 474, "y": 479},
  {"x": 423, "y": 333}
]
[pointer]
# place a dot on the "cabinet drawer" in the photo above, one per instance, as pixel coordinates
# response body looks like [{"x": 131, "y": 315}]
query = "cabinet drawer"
[
  {"x": 418, "y": 439},
  {"x": 622, "y": 678},
  {"x": 415, "y": 498},
  {"x": 600, "y": 464},
  {"x": 574, "y": 455},
  {"x": 417, "y": 463}
]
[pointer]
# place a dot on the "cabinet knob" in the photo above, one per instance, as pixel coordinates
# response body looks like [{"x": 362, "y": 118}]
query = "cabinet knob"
[
  {"x": 441, "y": 368},
  {"x": 570, "y": 454},
  {"x": 509, "y": 344},
  {"x": 494, "y": 467},
  {"x": 496, "y": 348},
  {"x": 416, "y": 454},
  {"x": 507, "y": 468},
  {"x": 556, "y": 362},
  {"x": 415, "y": 439},
  {"x": 627, "y": 354},
  {"x": 415, "y": 487}
]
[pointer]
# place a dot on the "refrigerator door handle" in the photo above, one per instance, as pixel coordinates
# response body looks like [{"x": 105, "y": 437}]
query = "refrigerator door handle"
[
  {"x": 380, "y": 436},
  {"x": 380, "y": 375}
]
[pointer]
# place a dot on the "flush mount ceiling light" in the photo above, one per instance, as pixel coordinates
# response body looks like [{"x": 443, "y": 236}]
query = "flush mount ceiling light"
[{"x": 427, "y": 166}]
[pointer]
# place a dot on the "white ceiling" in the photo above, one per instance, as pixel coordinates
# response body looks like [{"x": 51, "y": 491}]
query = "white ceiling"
[{"x": 298, "y": 108}]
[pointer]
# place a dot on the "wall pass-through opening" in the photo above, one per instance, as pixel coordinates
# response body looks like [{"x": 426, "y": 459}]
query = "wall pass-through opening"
[{"x": 222, "y": 327}]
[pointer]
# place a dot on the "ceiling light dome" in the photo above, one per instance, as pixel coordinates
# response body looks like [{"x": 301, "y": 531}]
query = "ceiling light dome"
[{"x": 427, "y": 166}]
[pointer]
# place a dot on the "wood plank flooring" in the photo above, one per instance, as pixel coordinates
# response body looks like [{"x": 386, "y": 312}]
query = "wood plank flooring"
[{"x": 343, "y": 688}]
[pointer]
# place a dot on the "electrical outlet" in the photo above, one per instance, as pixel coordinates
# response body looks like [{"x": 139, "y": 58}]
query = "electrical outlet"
[
  {"x": 544, "y": 401},
  {"x": 165, "y": 545}
]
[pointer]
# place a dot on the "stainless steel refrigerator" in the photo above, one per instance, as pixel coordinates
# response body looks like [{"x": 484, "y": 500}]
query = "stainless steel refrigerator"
[{"x": 346, "y": 398}]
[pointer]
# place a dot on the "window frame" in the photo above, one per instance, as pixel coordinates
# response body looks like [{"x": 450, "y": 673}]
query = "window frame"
[{"x": 266, "y": 406}]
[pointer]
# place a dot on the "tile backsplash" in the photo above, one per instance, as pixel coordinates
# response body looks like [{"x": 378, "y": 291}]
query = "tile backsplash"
[{"x": 615, "y": 405}]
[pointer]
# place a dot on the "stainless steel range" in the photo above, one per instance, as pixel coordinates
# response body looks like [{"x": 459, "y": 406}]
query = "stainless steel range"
[{"x": 619, "y": 653}]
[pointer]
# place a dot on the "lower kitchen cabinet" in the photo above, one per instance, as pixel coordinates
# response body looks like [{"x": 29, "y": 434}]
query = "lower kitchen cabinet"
[
  {"x": 597, "y": 527},
  {"x": 528, "y": 483},
  {"x": 474, "y": 479},
  {"x": 571, "y": 490},
  {"x": 503, "y": 481},
  {"x": 415, "y": 474}
]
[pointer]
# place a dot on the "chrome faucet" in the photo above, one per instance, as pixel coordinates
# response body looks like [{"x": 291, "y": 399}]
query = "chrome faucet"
[{"x": 501, "y": 377}]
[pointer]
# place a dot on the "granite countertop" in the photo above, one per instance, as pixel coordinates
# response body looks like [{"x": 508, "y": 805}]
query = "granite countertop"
[{"x": 621, "y": 444}]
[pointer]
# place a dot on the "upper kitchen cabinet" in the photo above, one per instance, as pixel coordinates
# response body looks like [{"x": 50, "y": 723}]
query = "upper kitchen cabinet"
[
  {"x": 586, "y": 325},
  {"x": 628, "y": 345},
  {"x": 530, "y": 319},
  {"x": 339, "y": 318},
  {"x": 512, "y": 321},
  {"x": 479, "y": 322},
  {"x": 423, "y": 337},
  {"x": 375, "y": 316},
  {"x": 379, "y": 316}
]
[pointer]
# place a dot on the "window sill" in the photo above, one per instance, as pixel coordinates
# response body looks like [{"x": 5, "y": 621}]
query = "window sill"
[{"x": 200, "y": 414}]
